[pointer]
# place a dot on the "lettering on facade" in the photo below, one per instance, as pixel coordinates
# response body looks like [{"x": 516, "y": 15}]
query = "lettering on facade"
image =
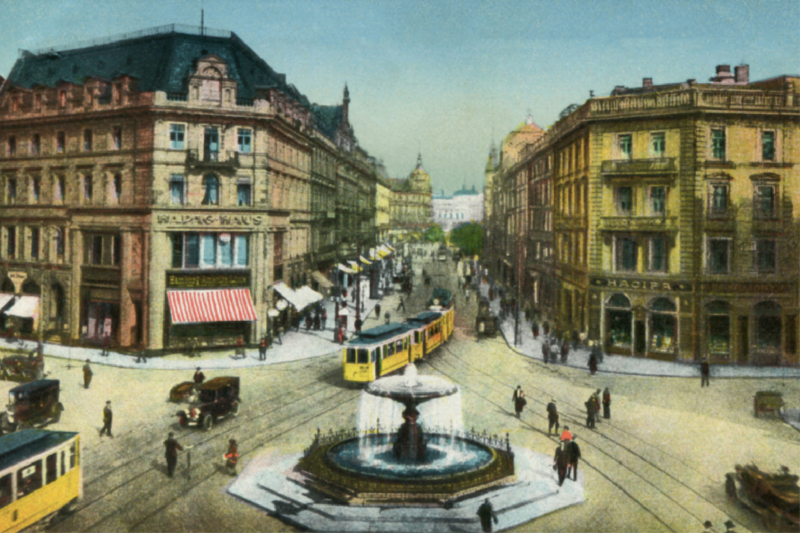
[
  {"x": 768, "y": 288},
  {"x": 200, "y": 281},
  {"x": 642, "y": 284},
  {"x": 210, "y": 220}
]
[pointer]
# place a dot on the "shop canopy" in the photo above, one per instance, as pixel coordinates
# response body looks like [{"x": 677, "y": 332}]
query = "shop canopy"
[
  {"x": 346, "y": 269},
  {"x": 300, "y": 298},
  {"x": 365, "y": 260},
  {"x": 354, "y": 266},
  {"x": 320, "y": 278},
  {"x": 5, "y": 298},
  {"x": 25, "y": 307},
  {"x": 216, "y": 305}
]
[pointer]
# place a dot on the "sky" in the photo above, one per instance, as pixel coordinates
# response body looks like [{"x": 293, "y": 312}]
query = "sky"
[{"x": 448, "y": 77}]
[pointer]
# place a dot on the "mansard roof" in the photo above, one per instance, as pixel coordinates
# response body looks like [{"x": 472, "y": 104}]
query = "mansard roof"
[{"x": 328, "y": 118}]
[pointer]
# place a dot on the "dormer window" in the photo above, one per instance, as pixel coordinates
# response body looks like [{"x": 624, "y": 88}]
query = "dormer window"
[
  {"x": 62, "y": 98},
  {"x": 210, "y": 88},
  {"x": 37, "y": 102}
]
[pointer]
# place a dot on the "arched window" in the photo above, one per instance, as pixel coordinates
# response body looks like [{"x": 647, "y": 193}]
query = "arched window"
[
  {"x": 211, "y": 188},
  {"x": 56, "y": 302},
  {"x": 719, "y": 328},
  {"x": 619, "y": 300},
  {"x": 7, "y": 287},
  {"x": 31, "y": 287},
  {"x": 768, "y": 325},
  {"x": 663, "y": 304}
]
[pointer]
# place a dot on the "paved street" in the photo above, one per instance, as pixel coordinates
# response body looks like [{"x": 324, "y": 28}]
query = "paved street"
[{"x": 658, "y": 465}]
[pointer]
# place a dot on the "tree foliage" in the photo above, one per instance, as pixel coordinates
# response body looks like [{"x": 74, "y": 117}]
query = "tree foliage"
[
  {"x": 468, "y": 238},
  {"x": 434, "y": 234}
]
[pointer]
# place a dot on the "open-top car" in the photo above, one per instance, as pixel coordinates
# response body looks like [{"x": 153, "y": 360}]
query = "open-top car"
[
  {"x": 34, "y": 403},
  {"x": 216, "y": 398},
  {"x": 182, "y": 392},
  {"x": 22, "y": 368}
]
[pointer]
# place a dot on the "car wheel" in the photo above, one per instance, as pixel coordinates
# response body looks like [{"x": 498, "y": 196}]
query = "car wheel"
[
  {"x": 208, "y": 422},
  {"x": 235, "y": 409}
]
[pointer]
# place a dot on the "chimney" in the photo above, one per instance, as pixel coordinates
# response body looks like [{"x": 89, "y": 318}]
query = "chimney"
[
  {"x": 742, "y": 74},
  {"x": 647, "y": 83},
  {"x": 723, "y": 68}
]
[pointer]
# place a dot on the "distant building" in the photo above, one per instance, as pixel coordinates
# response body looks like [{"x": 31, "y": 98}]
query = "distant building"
[
  {"x": 450, "y": 211},
  {"x": 411, "y": 203}
]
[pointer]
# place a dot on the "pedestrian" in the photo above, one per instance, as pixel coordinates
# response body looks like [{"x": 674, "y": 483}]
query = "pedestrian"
[
  {"x": 535, "y": 329},
  {"x": 552, "y": 416},
  {"x": 546, "y": 351},
  {"x": 597, "y": 351},
  {"x": 106, "y": 345},
  {"x": 564, "y": 351},
  {"x": 402, "y": 303},
  {"x": 387, "y": 317},
  {"x": 108, "y": 417},
  {"x": 576, "y": 338},
  {"x": 309, "y": 321},
  {"x": 561, "y": 460},
  {"x": 87, "y": 375},
  {"x": 199, "y": 378},
  {"x": 486, "y": 514},
  {"x": 378, "y": 311},
  {"x": 574, "y": 457},
  {"x": 597, "y": 395},
  {"x": 262, "y": 349},
  {"x": 705, "y": 374},
  {"x": 357, "y": 325},
  {"x": 607, "y": 404},
  {"x": 171, "y": 453},
  {"x": 546, "y": 327},
  {"x": 324, "y": 317},
  {"x": 592, "y": 364},
  {"x": 709, "y": 527},
  {"x": 729, "y": 525},
  {"x": 231, "y": 457},
  {"x": 240, "y": 348},
  {"x": 591, "y": 410},
  {"x": 340, "y": 334},
  {"x": 566, "y": 435},
  {"x": 519, "y": 400}
]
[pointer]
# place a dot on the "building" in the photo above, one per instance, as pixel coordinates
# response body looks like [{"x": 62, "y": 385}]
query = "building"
[
  {"x": 411, "y": 203},
  {"x": 675, "y": 233},
  {"x": 156, "y": 185},
  {"x": 383, "y": 217},
  {"x": 450, "y": 211}
]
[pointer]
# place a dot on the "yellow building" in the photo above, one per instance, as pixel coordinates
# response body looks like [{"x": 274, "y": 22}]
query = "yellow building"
[
  {"x": 411, "y": 203},
  {"x": 383, "y": 218}
]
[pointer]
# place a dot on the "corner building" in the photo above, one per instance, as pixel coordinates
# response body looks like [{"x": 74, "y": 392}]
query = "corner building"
[{"x": 155, "y": 187}]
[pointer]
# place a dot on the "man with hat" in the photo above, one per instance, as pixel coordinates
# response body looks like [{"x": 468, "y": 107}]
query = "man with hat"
[
  {"x": 591, "y": 412},
  {"x": 574, "y": 456},
  {"x": 519, "y": 400},
  {"x": 199, "y": 377},
  {"x": 552, "y": 416},
  {"x": 87, "y": 375},
  {"x": 171, "y": 453},
  {"x": 108, "y": 416},
  {"x": 561, "y": 460},
  {"x": 486, "y": 515}
]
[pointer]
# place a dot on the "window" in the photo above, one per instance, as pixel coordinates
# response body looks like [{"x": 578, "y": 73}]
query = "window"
[
  {"x": 210, "y": 250},
  {"x": 59, "y": 242},
  {"x": 626, "y": 254},
  {"x": 211, "y": 144},
  {"x": 768, "y": 325},
  {"x": 62, "y": 98},
  {"x": 177, "y": 250},
  {"x": 34, "y": 243},
  {"x": 719, "y": 328},
  {"x": 243, "y": 193},
  {"x": 116, "y": 138},
  {"x": 6, "y": 496},
  {"x": 768, "y": 146},
  {"x": 766, "y": 256},
  {"x": 658, "y": 254},
  {"x": 29, "y": 479},
  {"x": 624, "y": 200},
  {"x": 625, "y": 144},
  {"x": 176, "y": 190},
  {"x": 765, "y": 201},
  {"x": 12, "y": 146},
  {"x": 36, "y": 189},
  {"x": 58, "y": 189},
  {"x": 242, "y": 259},
  {"x": 719, "y": 256},
  {"x": 116, "y": 250},
  {"x": 658, "y": 200},
  {"x": 211, "y": 185},
  {"x": 245, "y": 141},
  {"x": 51, "y": 465},
  {"x": 11, "y": 189},
  {"x": 225, "y": 250},
  {"x": 718, "y": 199},
  {"x": 60, "y": 142},
  {"x": 36, "y": 144},
  {"x": 11, "y": 242},
  {"x": 657, "y": 144},
  {"x": 87, "y": 188},
  {"x": 37, "y": 102},
  {"x": 96, "y": 250},
  {"x": 87, "y": 141},
  {"x": 116, "y": 194},
  {"x": 718, "y": 144},
  {"x": 176, "y": 136},
  {"x": 192, "y": 241}
]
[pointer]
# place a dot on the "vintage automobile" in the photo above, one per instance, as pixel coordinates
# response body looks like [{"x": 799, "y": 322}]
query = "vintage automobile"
[
  {"x": 776, "y": 497},
  {"x": 217, "y": 398},
  {"x": 34, "y": 403},
  {"x": 485, "y": 322},
  {"x": 182, "y": 392},
  {"x": 22, "y": 368}
]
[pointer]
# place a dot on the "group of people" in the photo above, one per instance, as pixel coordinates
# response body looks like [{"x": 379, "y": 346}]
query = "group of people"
[
  {"x": 565, "y": 460},
  {"x": 593, "y": 407},
  {"x": 551, "y": 348}
]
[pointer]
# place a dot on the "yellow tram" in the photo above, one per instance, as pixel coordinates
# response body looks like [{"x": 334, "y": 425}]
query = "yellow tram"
[
  {"x": 40, "y": 474},
  {"x": 378, "y": 351}
]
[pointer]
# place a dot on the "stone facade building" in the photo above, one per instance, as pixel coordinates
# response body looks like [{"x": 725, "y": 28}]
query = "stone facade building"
[
  {"x": 411, "y": 202},
  {"x": 675, "y": 228},
  {"x": 450, "y": 211},
  {"x": 155, "y": 187}
]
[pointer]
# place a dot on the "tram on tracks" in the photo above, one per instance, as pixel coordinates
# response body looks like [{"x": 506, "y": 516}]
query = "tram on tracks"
[
  {"x": 40, "y": 475},
  {"x": 381, "y": 350}
]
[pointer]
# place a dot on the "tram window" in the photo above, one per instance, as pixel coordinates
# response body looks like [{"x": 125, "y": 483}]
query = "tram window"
[
  {"x": 416, "y": 337},
  {"x": 29, "y": 478},
  {"x": 351, "y": 355},
  {"x": 72, "y": 456},
  {"x": 385, "y": 351},
  {"x": 63, "y": 462},
  {"x": 5, "y": 490},
  {"x": 376, "y": 353},
  {"x": 52, "y": 468},
  {"x": 399, "y": 345},
  {"x": 390, "y": 348},
  {"x": 363, "y": 356}
]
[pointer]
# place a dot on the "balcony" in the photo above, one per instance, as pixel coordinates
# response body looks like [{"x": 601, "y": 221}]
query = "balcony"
[
  {"x": 220, "y": 161},
  {"x": 630, "y": 223},
  {"x": 662, "y": 166}
]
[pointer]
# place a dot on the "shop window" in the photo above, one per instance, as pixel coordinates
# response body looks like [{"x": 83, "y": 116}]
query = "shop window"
[
  {"x": 177, "y": 134},
  {"x": 209, "y": 250},
  {"x": 768, "y": 325},
  {"x": 718, "y": 144},
  {"x": 35, "y": 243},
  {"x": 719, "y": 328},
  {"x": 61, "y": 142},
  {"x": 242, "y": 252},
  {"x": 36, "y": 144},
  {"x": 177, "y": 193},
  {"x": 765, "y": 201},
  {"x": 619, "y": 321},
  {"x": 658, "y": 144},
  {"x": 192, "y": 250},
  {"x": 768, "y": 145},
  {"x": 718, "y": 199},
  {"x": 12, "y": 146},
  {"x": 225, "y": 250},
  {"x": 719, "y": 255},
  {"x": 624, "y": 200},
  {"x": 177, "y": 250},
  {"x": 657, "y": 260},
  {"x": 625, "y": 146},
  {"x": 626, "y": 254},
  {"x": 87, "y": 140},
  {"x": 211, "y": 187},
  {"x": 116, "y": 138},
  {"x": 766, "y": 256},
  {"x": 243, "y": 194},
  {"x": 662, "y": 325},
  {"x": 658, "y": 201},
  {"x": 245, "y": 139}
]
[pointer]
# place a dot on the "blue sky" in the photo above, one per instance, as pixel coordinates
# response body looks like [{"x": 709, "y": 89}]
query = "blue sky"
[{"x": 442, "y": 76}]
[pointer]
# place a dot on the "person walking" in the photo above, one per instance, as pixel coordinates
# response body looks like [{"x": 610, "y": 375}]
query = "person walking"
[
  {"x": 519, "y": 400},
  {"x": 231, "y": 457},
  {"x": 607, "y": 404},
  {"x": 566, "y": 435},
  {"x": 591, "y": 410},
  {"x": 171, "y": 449},
  {"x": 309, "y": 321},
  {"x": 199, "y": 378},
  {"x": 106, "y": 345},
  {"x": 597, "y": 351},
  {"x": 87, "y": 375},
  {"x": 564, "y": 351},
  {"x": 574, "y": 457},
  {"x": 546, "y": 351},
  {"x": 592, "y": 364},
  {"x": 561, "y": 460},
  {"x": 552, "y": 416},
  {"x": 108, "y": 417},
  {"x": 401, "y": 305},
  {"x": 486, "y": 514},
  {"x": 262, "y": 349},
  {"x": 324, "y": 317},
  {"x": 597, "y": 395},
  {"x": 705, "y": 374}
]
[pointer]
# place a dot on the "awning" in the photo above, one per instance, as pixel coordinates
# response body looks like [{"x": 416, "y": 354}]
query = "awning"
[
  {"x": 288, "y": 294},
  {"x": 216, "y": 305},
  {"x": 25, "y": 307},
  {"x": 5, "y": 298},
  {"x": 300, "y": 298},
  {"x": 346, "y": 269},
  {"x": 320, "y": 278},
  {"x": 308, "y": 296},
  {"x": 354, "y": 266},
  {"x": 365, "y": 260}
]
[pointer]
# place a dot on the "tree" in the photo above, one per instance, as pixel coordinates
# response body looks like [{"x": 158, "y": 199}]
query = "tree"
[
  {"x": 434, "y": 234},
  {"x": 468, "y": 238}
]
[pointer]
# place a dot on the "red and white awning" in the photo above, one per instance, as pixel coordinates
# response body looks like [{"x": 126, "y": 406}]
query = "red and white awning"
[{"x": 217, "y": 305}]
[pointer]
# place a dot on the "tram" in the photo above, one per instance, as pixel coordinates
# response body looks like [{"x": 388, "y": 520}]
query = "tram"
[
  {"x": 40, "y": 475},
  {"x": 381, "y": 350}
]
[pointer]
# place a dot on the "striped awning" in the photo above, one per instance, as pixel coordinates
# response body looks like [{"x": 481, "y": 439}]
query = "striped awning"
[
  {"x": 216, "y": 305},
  {"x": 25, "y": 307}
]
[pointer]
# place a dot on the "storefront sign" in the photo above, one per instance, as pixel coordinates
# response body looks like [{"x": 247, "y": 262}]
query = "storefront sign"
[
  {"x": 642, "y": 284},
  {"x": 766, "y": 288},
  {"x": 207, "y": 281},
  {"x": 17, "y": 278},
  {"x": 194, "y": 220}
]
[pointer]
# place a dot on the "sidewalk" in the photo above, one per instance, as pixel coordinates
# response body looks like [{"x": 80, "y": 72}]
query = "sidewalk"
[
  {"x": 294, "y": 346},
  {"x": 619, "y": 364}
]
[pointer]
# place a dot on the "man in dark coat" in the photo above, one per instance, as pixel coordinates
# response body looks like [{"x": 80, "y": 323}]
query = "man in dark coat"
[
  {"x": 564, "y": 351},
  {"x": 593, "y": 364},
  {"x": 199, "y": 377},
  {"x": 597, "y": 395},
  {"x": 108, "y": 417},
  {"x": 357, "y": 325},
  {"x": 87, "y": 375},
  {"x": 324, "y": 317},
  {"x": 705, "y": 374},
  {"x": 262, "y": 349},
  {"x": 561, "y": 459},
  {"x": 546, "y": 351},
  {"x": 552, "y": 416},
  {"x": 607, "y": 404},
  {"x": 378, "y": 311},
  {"x": 519, "y": 400},
  {"x": 591, "y": 411},
  {"x": 574, "y": 457},
  {"x": 171, "y": 453},
  {"x": 486, "y": 514},
  {"x": 597, "y": 351}
]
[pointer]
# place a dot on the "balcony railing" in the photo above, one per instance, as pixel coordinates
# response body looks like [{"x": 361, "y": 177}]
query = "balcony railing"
[
  {"x": 225, "y": 160},
  {"x": 627, "y": 167},
  {"x": 629, "y": 223}
]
